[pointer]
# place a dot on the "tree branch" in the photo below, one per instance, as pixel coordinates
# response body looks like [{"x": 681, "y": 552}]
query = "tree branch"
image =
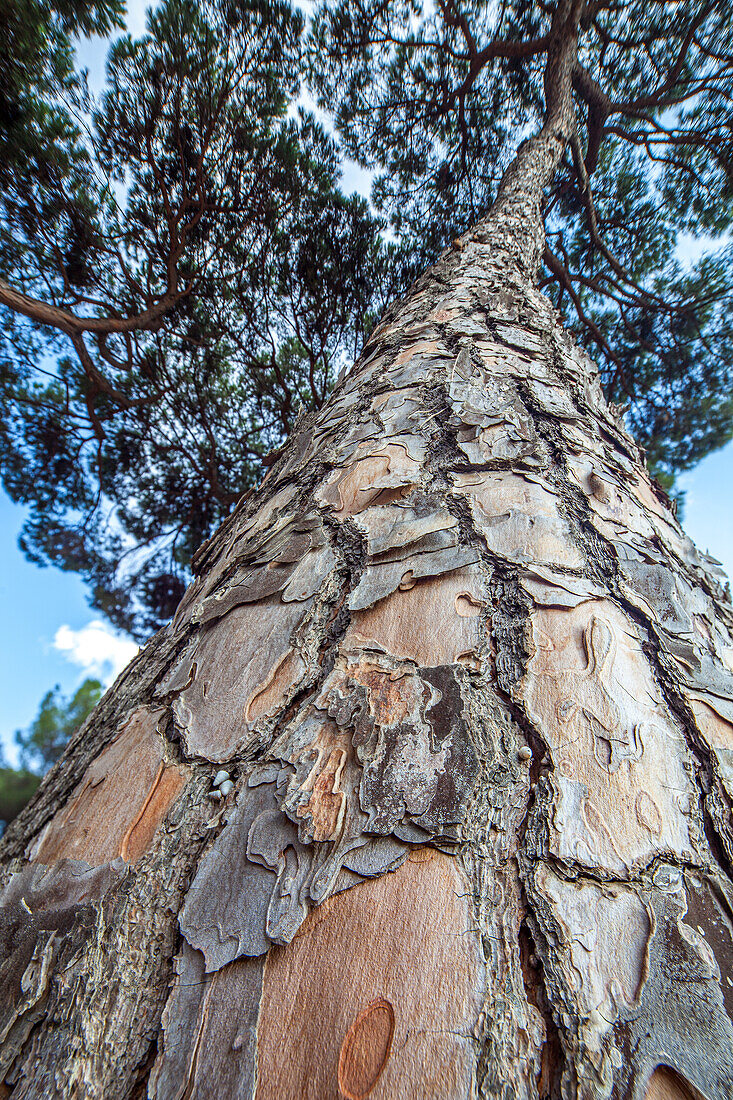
[{"x": 46, "y": 314}]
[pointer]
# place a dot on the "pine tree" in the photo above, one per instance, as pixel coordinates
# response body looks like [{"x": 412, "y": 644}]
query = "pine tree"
[
  {"x": 42, "y": 743},
  {"x": 426, "y": 789}
]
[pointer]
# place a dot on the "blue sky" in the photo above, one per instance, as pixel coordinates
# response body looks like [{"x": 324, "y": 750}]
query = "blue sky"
[{"x": 50, "y": 636}]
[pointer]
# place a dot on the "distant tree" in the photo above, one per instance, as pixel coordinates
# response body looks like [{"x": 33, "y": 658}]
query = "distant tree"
[
  {"x": 58, "y": 717},
  {"x": 43, "y": 743},
  {"x": 16, "y": 787}
]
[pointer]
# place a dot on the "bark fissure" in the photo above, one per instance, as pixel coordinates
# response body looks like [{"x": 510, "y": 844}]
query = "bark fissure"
[{"x": 549, "y": 1082}]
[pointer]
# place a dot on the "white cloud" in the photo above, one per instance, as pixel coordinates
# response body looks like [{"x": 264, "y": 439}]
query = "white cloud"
[{"x": 96, "y": 649}]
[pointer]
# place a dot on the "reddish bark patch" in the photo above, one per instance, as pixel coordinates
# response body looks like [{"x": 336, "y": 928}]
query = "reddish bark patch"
[
  {"x": 406, "y": 940},
  {"x": 327, "y": 802},
  {"x": 365, "y": 1050},
  {"x": 118, "y": 805},
  {"x": 165, "y": 788},
  {"x": 388, "y": 700},
  {"x": 667, "y": 1085}
]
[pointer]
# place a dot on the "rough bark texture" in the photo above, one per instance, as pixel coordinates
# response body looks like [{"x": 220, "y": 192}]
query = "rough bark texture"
[{"x": 472, "y": 690}]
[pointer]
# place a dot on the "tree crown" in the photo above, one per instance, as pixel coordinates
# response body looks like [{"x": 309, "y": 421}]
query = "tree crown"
[
  {"x": 180, "y": 273},
  {"x": 199, "y": 278}
]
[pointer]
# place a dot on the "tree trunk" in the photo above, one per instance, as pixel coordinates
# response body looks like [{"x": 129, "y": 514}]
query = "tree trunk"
[{"x": 471, "y": 686}]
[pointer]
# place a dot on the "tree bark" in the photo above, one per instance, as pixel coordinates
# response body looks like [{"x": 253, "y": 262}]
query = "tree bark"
[{"x": 472, "y": 688}]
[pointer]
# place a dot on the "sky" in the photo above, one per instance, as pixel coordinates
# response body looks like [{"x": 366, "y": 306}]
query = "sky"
[{"x": 51, "y": 636}]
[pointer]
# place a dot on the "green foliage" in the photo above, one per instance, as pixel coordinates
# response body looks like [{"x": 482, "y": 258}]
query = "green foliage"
[
  {"x": 43, "y": 743},
  {"x": 38, "y": 71},
  {"x": 198, "y": 216},
  {"x": 17, "y": 786},
  {"x": 436, "y": 98},
  {"x": 58, "y": 717}
]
